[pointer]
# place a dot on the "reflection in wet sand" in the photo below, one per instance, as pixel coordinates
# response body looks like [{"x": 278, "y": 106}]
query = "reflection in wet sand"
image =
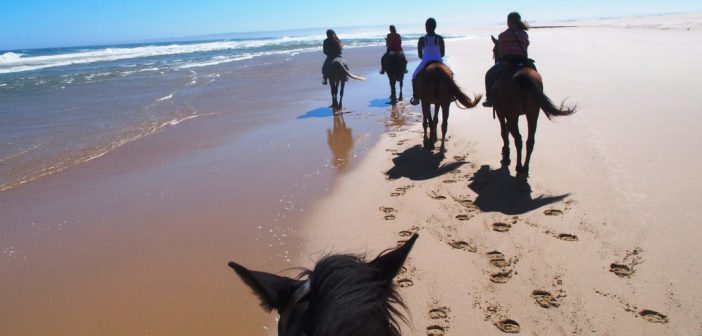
[
  {"x": 340, "y": 140},
  {"x": 398, "y": 117}
]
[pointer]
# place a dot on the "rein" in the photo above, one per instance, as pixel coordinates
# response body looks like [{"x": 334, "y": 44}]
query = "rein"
[{"x": 300, "y": 293}]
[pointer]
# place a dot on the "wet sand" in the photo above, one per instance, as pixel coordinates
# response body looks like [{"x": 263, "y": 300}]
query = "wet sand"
[
  {"x": 601, "y": 239},
  {"x": 137, "y": 241}
]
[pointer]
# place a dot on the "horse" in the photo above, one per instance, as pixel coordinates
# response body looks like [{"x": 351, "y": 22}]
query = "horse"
[
  {"x": 520, "y": 91},
  {"x": 394, "y": 67},
  {"x": 436, "y": 86},
  {"x": 343, "y": 295},
  {"x": 338, "y": 74}
]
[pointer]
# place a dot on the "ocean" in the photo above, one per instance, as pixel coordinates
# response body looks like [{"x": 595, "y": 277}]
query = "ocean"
[{"x": 60, "y": 107}]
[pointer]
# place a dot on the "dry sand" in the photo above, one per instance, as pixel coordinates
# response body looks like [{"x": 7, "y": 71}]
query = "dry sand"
[{"x": 603, "y": 239}]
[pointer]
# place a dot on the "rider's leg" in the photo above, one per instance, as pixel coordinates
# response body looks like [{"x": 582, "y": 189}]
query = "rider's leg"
[
  {"x": 415, "y": 91},
  {"x": 383, "y": 61},
  {"x": 490, "y": 78},
  {"x": 325, "y": 66}
]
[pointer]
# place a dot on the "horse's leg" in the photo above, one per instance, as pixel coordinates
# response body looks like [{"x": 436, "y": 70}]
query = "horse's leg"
[
  {"x": 435, "y": 123},
  {"x": 426, "y": 120},
  {"x": 333, "y": 86},
  {"x": 513, "y": 125},
  {"x": 341, "y": 94},
  {"x": 532, "y": 119},
  {"x": 391, "y": 78},
  {"x": 504, "y": 131},
  {"x": 401, "y": 80},
  {"x": 444, "y": 123}
]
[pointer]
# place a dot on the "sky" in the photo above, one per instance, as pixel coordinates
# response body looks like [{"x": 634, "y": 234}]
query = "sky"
[{"x": 28, "y": 24}]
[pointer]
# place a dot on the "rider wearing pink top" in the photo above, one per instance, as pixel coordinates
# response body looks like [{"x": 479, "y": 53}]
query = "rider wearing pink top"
[{"x": 513, "y": 44}]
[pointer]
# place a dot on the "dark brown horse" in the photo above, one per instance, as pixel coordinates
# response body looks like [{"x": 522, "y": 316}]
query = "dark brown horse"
[
  {"x": 394, "y": 67},
  {"x": 520, "y": 91},
  {"x": 436, "y": 86},
  {"x": 338, "y": 75},
  {"x": 343, "y": 295}
]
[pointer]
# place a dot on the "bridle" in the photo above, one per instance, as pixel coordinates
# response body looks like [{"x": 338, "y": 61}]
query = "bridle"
[{"x": 300, "y": 294}]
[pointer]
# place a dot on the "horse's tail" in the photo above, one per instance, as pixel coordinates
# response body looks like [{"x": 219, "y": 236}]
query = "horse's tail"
[
  {"x": 348, "y": 73},
  {"x": 529, "y": 84},
  {"x": 462, "y": 98}
]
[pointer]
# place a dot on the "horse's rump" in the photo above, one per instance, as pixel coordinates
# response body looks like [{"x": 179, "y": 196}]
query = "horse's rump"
[{"x": 530, "y": 83}]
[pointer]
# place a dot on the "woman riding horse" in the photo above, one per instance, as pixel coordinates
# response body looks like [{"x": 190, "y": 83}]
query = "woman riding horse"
[
  {"x": 393, "y": 42},
  {"x": 513, "y": 44},
  {"x": 332, "y": 48},
  {"x": 430, "y": 48}
]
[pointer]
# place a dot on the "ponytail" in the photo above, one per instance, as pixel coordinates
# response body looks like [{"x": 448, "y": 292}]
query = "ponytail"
[{"x": 516, "y": 20}]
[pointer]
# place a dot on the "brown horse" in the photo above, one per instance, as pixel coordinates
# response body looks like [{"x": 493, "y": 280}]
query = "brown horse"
[
  {"x": 520, "y": 91},
  {"x": 436, "y": 86},
  {"x": 338, "y": 75}
]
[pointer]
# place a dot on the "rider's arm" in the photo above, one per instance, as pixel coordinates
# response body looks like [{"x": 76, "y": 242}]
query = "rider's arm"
[
  {"x": 420, "y": 47},
  {"x": 441, "y": 46}
]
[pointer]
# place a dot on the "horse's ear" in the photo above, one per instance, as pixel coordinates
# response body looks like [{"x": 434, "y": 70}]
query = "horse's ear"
[
  {"x": 494, "y": 40},
  {"x": 390, "y": 263},
  {"x": 274, "y": 291}
]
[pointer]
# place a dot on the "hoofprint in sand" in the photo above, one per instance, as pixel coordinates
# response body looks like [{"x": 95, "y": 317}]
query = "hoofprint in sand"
[{"x": 590, "y": 243}]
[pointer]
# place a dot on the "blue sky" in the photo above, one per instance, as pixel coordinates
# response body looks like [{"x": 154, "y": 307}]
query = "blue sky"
[{"x": 51, "y": 23}]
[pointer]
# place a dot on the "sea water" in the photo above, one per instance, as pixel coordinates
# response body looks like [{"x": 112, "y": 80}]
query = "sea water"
[{"x": 60, "y": 107}]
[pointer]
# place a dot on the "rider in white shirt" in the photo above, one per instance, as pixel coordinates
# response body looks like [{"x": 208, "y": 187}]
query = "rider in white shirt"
[{"x": 430, "y": 47}]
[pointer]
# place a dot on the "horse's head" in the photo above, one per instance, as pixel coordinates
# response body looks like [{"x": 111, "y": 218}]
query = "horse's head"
[
  {"x": 343, "y": 295},
  {"x": 496, "y": 53}
]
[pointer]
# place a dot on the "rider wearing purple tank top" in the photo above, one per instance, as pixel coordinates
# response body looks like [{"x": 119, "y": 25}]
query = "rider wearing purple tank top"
[{"x": 430, "y": 47}]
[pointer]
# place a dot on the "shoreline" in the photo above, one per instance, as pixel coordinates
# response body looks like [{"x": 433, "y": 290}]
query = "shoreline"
[{"x": 82, "y": 244}]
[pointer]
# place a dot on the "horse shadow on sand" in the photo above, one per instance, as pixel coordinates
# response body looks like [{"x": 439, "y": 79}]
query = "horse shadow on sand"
[
  {"x": 417, "y": 164},
  {"x": 499, "y": 191},
  {"x": 379, "y": 102},
  {"x": 320, "y": 112}
]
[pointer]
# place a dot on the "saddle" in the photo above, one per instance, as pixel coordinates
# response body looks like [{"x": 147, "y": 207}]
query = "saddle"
[
  {"x": 519, "y": 62},
  {"x": 421, "y": 72}
]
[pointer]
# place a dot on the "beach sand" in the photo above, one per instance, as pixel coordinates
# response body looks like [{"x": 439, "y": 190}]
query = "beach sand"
[
  {"x": 602, "y": 239},
  {"x": 137, "y": 241}
]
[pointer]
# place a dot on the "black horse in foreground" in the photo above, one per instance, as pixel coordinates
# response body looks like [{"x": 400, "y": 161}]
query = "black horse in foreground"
[
  {"x": 394, "y": 65},
  {"x": 343, "y": 296}
]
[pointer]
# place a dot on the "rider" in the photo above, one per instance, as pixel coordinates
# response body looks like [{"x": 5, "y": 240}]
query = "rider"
[
  {"x": 429, "y": 48},
  {"x": 332, "y": 48},
  {"x": 393, "y": 42},
  {"x": 513, "y": 44}
]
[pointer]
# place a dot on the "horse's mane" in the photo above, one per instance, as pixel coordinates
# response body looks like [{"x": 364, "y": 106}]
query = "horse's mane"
[{"x": 349, "y": 297}]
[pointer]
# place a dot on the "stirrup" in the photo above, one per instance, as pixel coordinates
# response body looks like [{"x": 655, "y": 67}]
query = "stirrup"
[
  {"x": 487, "y": 103},
  {"x": 414, "y": 101},
  {"x": 324, "y": 81}
]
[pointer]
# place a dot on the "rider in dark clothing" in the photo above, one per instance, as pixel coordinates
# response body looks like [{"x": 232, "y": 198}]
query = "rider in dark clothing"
[{"x": 332, "y": 47}]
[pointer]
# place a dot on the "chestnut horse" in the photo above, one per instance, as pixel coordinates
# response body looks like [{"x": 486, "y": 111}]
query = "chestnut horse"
[
  {"x": 343, "y": 295},
  {"x": 436, "y": 86},
  {"x": 520, "y": 91},
  {"x": 338, "y": 75}
]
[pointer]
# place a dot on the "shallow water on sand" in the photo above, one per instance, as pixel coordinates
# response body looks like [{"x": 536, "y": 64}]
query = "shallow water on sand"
[{"x": 137, "y": 241}]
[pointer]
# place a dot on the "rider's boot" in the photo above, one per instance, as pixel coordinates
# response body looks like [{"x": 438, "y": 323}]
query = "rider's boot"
[{"x": 415, "y": 99}]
